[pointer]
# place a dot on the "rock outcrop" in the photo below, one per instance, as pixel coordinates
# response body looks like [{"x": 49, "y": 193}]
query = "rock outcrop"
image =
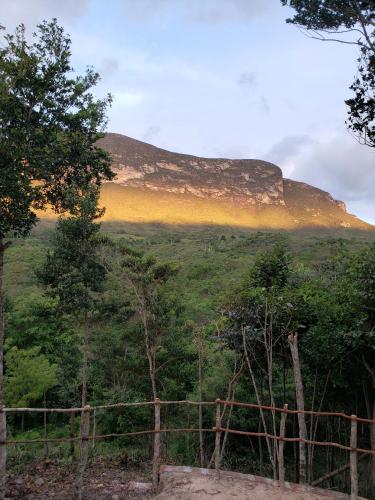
[
  {"x": 248, "y": 182},
  {"x": 250, "y": 191}
]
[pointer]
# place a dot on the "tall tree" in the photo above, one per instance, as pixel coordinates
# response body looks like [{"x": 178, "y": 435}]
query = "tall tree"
[
  {"x": 49, "y": 125},
  {"x": 349, "y": 22},
  {"x": 146, "y": 279},
  {"x": 74, "y": 273}
]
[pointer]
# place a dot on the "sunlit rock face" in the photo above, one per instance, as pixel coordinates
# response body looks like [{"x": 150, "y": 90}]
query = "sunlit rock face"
[
  {"x": 153, "y": 184},
  {"x": 247, "y": 182}
]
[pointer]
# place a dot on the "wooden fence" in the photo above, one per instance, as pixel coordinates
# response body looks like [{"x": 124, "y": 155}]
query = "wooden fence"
[{"x": 85, "y": 437}]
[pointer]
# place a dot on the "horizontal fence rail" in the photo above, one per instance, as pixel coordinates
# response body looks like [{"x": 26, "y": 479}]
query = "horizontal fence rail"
[
  {"x": 296, "y": 412},
  {"x": 218, "y": 429}
]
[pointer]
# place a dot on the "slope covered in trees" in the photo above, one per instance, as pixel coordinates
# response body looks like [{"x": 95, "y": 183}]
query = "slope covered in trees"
[{"x": 181, "y": 314}]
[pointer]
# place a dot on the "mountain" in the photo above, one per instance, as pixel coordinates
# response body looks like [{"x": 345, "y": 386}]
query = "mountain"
[{"x": 155, "y": 185}]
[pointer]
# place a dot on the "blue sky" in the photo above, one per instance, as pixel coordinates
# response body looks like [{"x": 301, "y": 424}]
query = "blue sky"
[{"x": 220, "y": 78}]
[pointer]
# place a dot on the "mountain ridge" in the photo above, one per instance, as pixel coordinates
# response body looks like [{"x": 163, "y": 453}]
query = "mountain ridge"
[{"x": 153, "y": 184}]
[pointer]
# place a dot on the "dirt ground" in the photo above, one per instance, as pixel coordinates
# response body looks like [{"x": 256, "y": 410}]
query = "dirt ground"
[
  {"x": 104, "y": 480},
  {"x": 186, "y": 483},
  {"x": 110, "y": 480}
]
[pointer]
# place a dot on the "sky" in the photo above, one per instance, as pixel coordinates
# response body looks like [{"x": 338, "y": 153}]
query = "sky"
[{"x": 220, "y": 78}]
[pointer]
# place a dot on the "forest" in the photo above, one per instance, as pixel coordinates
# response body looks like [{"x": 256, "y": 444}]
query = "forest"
[
  {"x": 104, "y": 316},
  {"x": 98, "y": 313}
]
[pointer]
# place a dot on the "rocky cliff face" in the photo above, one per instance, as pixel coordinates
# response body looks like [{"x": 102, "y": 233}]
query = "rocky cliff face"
[
  {"x": 248, "y": 182},
  {"x": 250, "y": 186}
]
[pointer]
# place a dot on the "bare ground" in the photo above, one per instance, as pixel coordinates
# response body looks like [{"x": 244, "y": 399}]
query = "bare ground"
[
  {"x": 111, "y": 480},
  {"x": 186, "y": 483}
]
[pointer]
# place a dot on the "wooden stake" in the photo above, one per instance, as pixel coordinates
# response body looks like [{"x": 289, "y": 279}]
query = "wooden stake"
[
  {"x": 353, "y": 460},
  {"x": 217, "y": 437},
  {"x": 334, "y": 473},
  {"x": 71, "y": 434},
  {"x": 85, "y": 429},
  {"x": 293, "y": 344},
  {"x": 373, "y": 447},
  {"x": 3, "y": 452},
  {"x": 94, "y": 429},
  {"x": 281, "y": 445},
  {"x": 45, "y": 428},
  {"x": 156, "y": 460}
]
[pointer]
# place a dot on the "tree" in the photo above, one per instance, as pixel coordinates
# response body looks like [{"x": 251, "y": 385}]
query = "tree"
[
  {"x": 349, "y": 22},
  {"x": 37, "y": 320},
  {"x": 73, "y": 271},
  {"x": 49, "y": 125},
  {"x": 29, "y": 376},
  {"x": 146, "y": 279}
]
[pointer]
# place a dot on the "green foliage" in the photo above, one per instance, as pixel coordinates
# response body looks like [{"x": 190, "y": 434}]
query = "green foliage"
[
  {"x": 36, "y": 321},
  {"x": 328, "y": 20},
  {"x": 271, "y": 269},
  {"x": 29, "y": 376},
  {"x": 361, "y": 120},
  {"x": 330, "y": 14},
  {"x": 49, "y": 124},
  {"x": 73, "y": 271},
  {"x": 319, "y": 286}
]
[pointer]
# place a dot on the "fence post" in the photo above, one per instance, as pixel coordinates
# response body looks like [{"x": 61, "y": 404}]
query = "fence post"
[
  {"x": 3, "y": 451},
  {"x": 71, "y": 434},
  {"x": 85, "y": 429},
  {"x": 156, "y": 460},
  {"x": 217, "y": 437},
  {"x": 353, "y": 460},
  {"x": 281, "y": 445},
  {"x": 94, "y": 428}
]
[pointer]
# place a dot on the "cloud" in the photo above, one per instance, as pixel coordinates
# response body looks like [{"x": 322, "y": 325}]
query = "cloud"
[
  {"x": 288, "y": 148},
  {"x": 338, "y": 165},
  {"x": 247, "y": 79},
  {"x": 127, "y": 99},
  {"x": 108, "y": 66},
  {"x": 151, "y": 132},
  {"x": 32, "y": 12},
  {"x": 264, "y": 105},
  {"x": 342, "y": 165},
  {"x": 207, "y": 11}
]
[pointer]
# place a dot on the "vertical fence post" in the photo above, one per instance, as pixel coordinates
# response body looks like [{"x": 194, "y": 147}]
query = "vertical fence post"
[
  {"x": 353, "y": 460},
  {"x": 45, "y": 427},
  {"x": 3, "y": 451},
  {"x": 217, "y": 437},
  {"x": 94, "y": 429},
  {"x": 281, "y": 445},
  {"x": 156, "y": 460},
  {"x": 85, "y": 429},
  {"x": 71, "y": 434}
]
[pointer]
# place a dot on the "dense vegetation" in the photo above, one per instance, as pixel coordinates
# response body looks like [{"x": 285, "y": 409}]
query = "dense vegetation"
[
  {"x": 92, "y": 315},
  {"x": 166, "y": 300}
]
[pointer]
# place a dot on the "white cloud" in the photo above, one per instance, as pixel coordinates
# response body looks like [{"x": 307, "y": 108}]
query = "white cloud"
[
  {"x": 335, "y": 164},
  {"x": 151, "y": 132},
  {"x": 127, "y": 99},
  {"x": 32, "y": 12},
  {"x": 108, "y": 66},
  {"x": 207, "y": 11},
  {"x": 247, "y": 79}
]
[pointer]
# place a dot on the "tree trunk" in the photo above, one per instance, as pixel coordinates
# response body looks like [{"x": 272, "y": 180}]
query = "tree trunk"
[
  {"x": 373, "y": 447},
  {"x": 200, "y": 408},
  {"x": 293, "y": 343},
  {"x": 85, "y": 360},
  {"x": 259, "y": 403},
  {"x": 3, "y": 453}
]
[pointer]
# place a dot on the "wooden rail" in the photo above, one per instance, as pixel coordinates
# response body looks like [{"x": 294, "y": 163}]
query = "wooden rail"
[{"x": 218, "y": 429}]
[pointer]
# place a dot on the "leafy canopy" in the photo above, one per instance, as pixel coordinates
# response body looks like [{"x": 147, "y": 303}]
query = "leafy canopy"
[
  {"x": 49, "y": 125},
  {"x": 29, "y": 376},
  {"x": 73, "y": 270},
  {"x": 353, "y": 22}
]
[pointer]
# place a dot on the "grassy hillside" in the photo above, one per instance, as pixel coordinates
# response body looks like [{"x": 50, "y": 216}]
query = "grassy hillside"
[{"x": 209, "y": 258}]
